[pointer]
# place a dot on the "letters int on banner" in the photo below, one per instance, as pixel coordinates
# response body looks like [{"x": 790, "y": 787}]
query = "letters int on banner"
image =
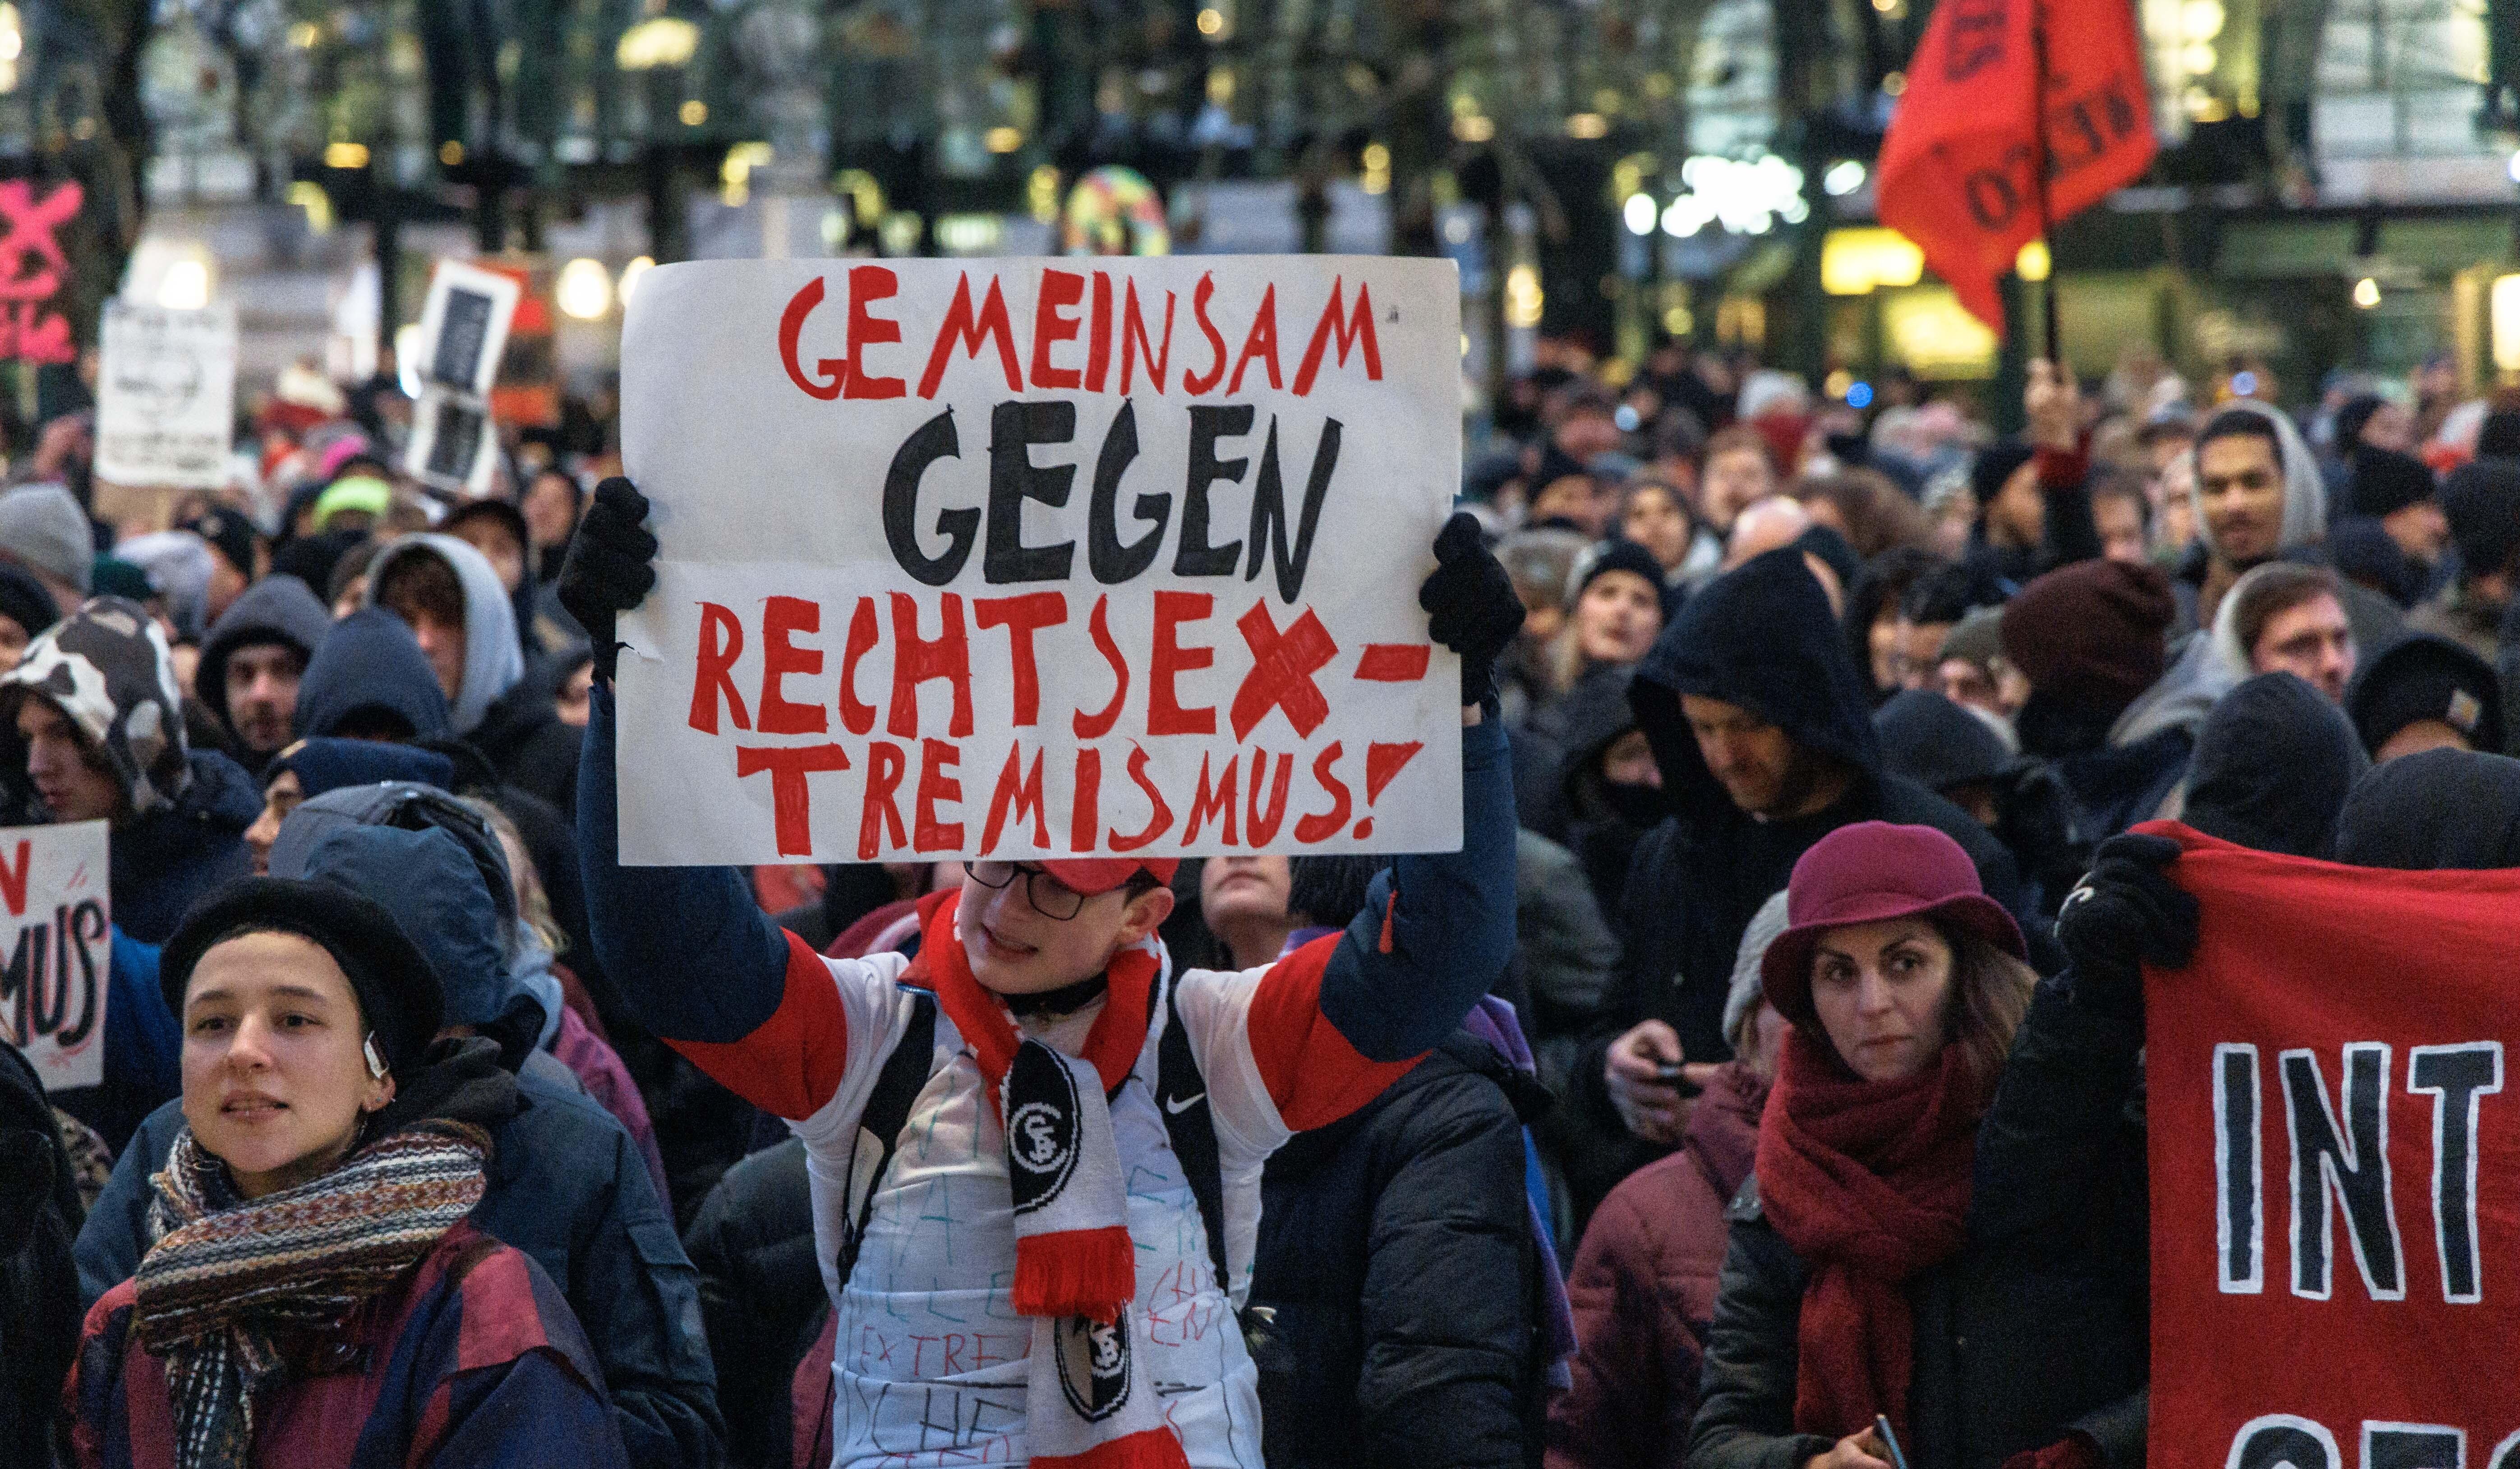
[
  {"x": 1040, "y": 557},
  {"x": 59, "y": 949},
  {"x": 2335, "y": 1140}
]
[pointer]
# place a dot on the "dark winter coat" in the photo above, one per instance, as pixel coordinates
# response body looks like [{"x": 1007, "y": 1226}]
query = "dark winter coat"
[
  {"x": 469, "y": 1362},
  {"x": 521, "y": 736},
  {"x": 1644, "y": 1291},
  {"x": 2272, "y": 767},
  {"x": 761, "y": 1294},
  {"x": 164, "y": 861},
  {"x": 567, "y": 1188},
  {"x": 1760, "y": 638},
  {"x": 277, "y": 609},
  {"x": 2036, "y": 1328},
  {"x": 1396, "y": 1250},
  {"x": 39, "y": 1302}
]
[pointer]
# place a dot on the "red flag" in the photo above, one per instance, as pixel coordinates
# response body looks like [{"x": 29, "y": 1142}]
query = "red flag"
[{"x": 1957, "y": 174}]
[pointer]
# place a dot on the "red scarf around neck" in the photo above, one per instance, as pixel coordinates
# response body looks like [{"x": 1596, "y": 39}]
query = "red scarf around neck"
[
  {"x": 1870, "y": 1183},
  {"x": 944, "y": 967}
]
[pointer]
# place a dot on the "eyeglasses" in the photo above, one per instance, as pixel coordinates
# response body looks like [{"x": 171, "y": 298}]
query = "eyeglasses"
[{"x": 1049, "y": 896}]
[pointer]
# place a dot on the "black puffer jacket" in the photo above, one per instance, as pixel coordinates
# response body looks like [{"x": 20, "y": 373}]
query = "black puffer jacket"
[
  {"x": 39, "y": 1296},
  {"x": 1396, "y": 1250},
  {"x": 2038, "y": 1328},
  {"x": 761, "y": 1293},
  {"x": 1760, "y": 638}
]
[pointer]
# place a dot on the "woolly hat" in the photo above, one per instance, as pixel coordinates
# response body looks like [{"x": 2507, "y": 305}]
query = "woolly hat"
[
  {"x": 2482, "y": 501},
  {"x": 2386, "y": 482},
  {"x": 2090, "y": 635},
  {"x": 1745, "y": 994},
  {"x": 229, "y": 533},
  {"x": 1871, "y": 873},
  {"x": 1977, "y": 637},
  {"x": 400, "y": 1000},
  {"x": 1619, "y": 555},
  {"x": 1937, "y": 743},
  {"x": 357, "y": 492},
  {"x": 2423, "y": 678},
  {"x": 24, "y": 602},
  {"x": 42, "y": 526},
  {"x": 1994, "y": 463}
]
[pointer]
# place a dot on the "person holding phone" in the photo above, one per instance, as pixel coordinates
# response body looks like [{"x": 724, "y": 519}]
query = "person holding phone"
[{"x": 1865, "y": 1304}]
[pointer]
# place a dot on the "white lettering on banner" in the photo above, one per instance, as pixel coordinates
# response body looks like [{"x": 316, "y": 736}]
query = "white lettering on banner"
[
  {"x": 1008, "y": 559},
  {"x": 59, "y": 949}
]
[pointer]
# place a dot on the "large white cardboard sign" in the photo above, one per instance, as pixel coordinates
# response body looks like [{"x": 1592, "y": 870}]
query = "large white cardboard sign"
[
  {"x": 56, "y": 921},
  {"x": 1040, "y": 557},
  {"x": 165, "y": 397}
]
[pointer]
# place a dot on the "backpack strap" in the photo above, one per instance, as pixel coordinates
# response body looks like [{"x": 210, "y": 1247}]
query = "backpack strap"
[
  {"x": 887, "y": 1111},
  {"x": 1182, "y": 1093}
]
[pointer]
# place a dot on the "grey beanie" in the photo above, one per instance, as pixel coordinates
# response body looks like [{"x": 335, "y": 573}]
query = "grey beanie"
[
  {"x": 42, "y": 526},
  {"x": 1765, "y": 924}
]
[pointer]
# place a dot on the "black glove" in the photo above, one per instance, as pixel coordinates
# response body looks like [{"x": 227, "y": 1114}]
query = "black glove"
[
  {"x": 2126, "y": 914},
  {"x": 1472, "y": 606},
  {"x": 605, "y": 572}
]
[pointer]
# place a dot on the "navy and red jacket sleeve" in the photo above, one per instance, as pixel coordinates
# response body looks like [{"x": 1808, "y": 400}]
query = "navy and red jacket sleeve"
[
  {"x": 1339, "y": 1020},
  {"x": 700, "y": 963}
]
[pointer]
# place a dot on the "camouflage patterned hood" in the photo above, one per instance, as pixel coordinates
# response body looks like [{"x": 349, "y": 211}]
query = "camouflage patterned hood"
[{"x": 106, "y": 667}]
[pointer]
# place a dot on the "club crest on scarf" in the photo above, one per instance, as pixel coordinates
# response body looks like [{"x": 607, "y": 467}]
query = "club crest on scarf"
[
  {"x": 1041, "y": 1128},
  {"x": 1094, "y": 1365}
]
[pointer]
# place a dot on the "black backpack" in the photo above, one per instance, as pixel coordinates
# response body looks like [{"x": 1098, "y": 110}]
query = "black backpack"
[{"x": 1181, "y": 1095}]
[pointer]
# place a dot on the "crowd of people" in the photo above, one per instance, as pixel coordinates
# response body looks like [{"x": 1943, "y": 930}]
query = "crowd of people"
[{"x": 1765, "y": 1068}]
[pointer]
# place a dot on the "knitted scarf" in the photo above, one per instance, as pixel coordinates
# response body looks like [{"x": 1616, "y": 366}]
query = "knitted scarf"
[
  {"x": 1870, "y": 1183},
  {"x": 1088, "y": 1404},
  {"x": 230, "y": 1284}
]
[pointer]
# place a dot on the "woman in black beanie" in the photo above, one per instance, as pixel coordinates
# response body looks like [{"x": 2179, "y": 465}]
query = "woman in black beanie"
[{"x": 311, "y": 1217}]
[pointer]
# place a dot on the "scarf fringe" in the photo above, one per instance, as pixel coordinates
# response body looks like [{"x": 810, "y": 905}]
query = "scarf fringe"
[
  {"x": 1075, "y": 1272},
  {"x": 1150, "y": 1449}
]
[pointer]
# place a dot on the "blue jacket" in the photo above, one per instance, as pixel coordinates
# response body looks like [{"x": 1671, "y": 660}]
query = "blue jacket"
[
  {"x": 143, "y": 1048},
  {"x": 566, "y": 1186},
  {"x": 166, "y": 859},
  {"x": 370, "y": 662}
]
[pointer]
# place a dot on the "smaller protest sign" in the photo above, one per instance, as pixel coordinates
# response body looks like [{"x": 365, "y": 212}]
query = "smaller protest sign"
[
  {"x": 165, "y": 397},
  {"x": 452, "y": 446},
  {"x": 464, "y": 325},
  {"x": 59, "y": 949}
]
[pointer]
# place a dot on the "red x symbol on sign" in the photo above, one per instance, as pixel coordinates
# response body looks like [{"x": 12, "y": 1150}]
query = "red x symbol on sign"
[{"x": 1282, "y": 666}]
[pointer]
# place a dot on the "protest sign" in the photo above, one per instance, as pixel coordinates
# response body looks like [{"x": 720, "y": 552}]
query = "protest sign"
[
  {"x": 166, "y": 402},
  {"x": 452, "y": 447},
  {"x": 1026, "y": 558},
  {"x": 464, "y": 325},
  {"x": 53, "y": 883},
  {"x": 2335, "y": 1165}
]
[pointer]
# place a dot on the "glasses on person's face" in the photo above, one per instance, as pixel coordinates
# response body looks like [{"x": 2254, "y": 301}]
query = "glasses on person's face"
[{"x": 1049, "y": 896}]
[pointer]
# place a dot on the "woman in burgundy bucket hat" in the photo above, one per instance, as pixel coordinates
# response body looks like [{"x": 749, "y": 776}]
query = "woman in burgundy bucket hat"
[{"x": 1860, "y": 1278}]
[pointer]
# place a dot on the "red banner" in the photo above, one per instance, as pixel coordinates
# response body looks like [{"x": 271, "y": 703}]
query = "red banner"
[
  {"x": 1958, "y": 167},
  {"x": 2335, "y": 1151}
]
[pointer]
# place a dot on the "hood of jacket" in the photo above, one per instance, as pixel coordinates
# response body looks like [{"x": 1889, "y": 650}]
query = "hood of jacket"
[
  {"x": 106, "y": 667},
  {"x": 1761, "y": 636},
  {"x": 2205, "y": 669},
  {"x": 430, "y": 885},
  {"x": 2305, "y": 511},
  {"x": 369, "y": 660},
  {"x": 2273, "y": 766},
  {"x": 494, "y": 660},
  {"x": 276, "y": 610},
  {"x": 2441, "y": 809}
]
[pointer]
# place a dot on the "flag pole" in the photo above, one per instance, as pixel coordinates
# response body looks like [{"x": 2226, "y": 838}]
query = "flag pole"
[{"x": 2039, "y": 177}]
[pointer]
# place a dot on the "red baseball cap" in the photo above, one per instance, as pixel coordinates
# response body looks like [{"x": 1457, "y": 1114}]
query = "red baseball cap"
[
  {"x": 1864, "y": 873},
  {"x": 1091, "y": 876}
]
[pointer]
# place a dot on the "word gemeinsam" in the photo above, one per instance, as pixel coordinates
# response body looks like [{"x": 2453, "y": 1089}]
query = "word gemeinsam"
[
  {"x": 1091, "y": 332},
  {"x": 2339, "y": 1148},
  {"x": 1287, "y": 664}
]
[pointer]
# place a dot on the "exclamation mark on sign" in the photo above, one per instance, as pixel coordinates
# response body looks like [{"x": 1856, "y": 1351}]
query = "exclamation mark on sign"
[{"x": 1381, "y": 763}]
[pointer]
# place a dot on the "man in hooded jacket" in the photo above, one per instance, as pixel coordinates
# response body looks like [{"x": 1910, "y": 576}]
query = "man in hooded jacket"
[
  {"x": 369, "y": 679},
  {"x": 1763, "y": 737},
  {"x": 460, "y": 611},
  {"x": 2258, "y": 495},
  {"x": 2272, "y": 765},
  {"x": 253, "y": 662},
  {"x": 567, "y": 1185}
]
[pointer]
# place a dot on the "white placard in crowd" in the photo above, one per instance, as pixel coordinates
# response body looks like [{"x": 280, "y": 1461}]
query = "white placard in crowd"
[
  {"x": 454, "y": 443},
  {"x": 166, "y": 395},
  {"x": 464, "y": 325},
  {"x": 59, "y": 935},
  {"x": 1040, "y": 557}
]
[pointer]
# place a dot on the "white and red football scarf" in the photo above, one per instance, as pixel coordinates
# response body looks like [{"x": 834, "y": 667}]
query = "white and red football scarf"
[{"x": 1086, "y": 1402}]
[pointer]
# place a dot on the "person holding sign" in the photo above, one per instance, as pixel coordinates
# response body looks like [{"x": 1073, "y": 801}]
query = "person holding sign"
[
  {"x": 314, "y": 1294},
  {"x": 1865, "y": 1278},
  {"x": 1045, "y": 1269}
]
